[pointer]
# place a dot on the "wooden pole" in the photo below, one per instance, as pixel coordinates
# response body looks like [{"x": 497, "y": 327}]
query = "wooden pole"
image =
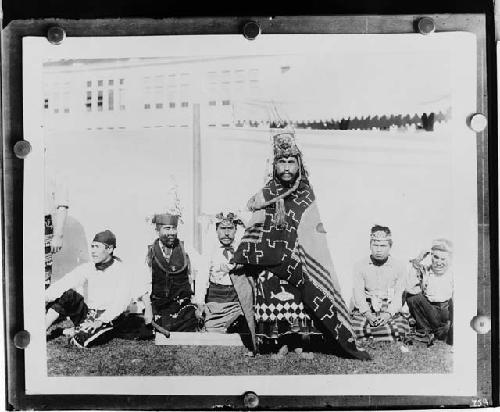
[{"x": 197, "y": 240}]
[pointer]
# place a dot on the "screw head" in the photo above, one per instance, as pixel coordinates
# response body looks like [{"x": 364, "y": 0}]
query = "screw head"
[
  {"x": 22, "y": 148},
  {"x": 426, "y": 25},
  {"x": 251, "y": 400},
  {"x": 477, "y": 122},
  {"x": 481, "y": 324},
  {"x": 21, "y": 339},
  {"x": 251, "y": 30},
  {"x": 56, "y": 35}
]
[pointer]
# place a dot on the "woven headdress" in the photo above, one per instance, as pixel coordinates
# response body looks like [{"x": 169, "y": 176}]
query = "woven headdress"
[{"x": 284, "y": 145}]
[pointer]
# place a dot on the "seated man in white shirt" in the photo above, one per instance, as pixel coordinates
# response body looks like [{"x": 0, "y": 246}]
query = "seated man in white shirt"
[
  {"x": 379, "y": 282},
  {"x": 430, "y": 293},
  {"x": 108, "y": 293},
  {"x": 222, "y": 308}
]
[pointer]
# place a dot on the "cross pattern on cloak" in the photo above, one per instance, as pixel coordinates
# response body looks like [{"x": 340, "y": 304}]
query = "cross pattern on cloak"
[{"x": 305, "y": 200}]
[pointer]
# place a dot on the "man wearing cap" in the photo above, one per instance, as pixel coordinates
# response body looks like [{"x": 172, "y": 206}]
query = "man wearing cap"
[
  {"x": 108, "y": 293},
  {"x": 379, "y": 283},
  {"x": 287, "y": 238},
  {"x": 222, "y": 308},
  {"x": 430, "y": 292},
  {"x": 170, "y": 269}
]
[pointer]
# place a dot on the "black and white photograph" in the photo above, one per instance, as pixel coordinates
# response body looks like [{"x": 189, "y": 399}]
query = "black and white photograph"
[{"x": 297, "y": 213}]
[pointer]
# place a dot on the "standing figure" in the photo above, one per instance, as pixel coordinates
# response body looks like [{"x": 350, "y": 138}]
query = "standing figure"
[
  {"x": 171, "y": 284},
  {"x": 379, "y": 283},
  {"x": 56, "y": 212},
  {"x": 286, "y": 237},
  {"x": 430, "y": 293}
]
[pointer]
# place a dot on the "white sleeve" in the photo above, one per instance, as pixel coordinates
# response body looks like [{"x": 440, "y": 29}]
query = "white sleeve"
[
  {"x": 122, "y": 295},
  {"x": 72, "y": 280}
]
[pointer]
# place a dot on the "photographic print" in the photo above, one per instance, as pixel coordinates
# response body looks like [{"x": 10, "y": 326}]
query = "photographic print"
[{"x": 220, "y": 213}]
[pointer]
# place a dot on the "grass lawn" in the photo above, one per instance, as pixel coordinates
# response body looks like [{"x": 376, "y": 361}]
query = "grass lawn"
[{"x": 123, "y": 357}]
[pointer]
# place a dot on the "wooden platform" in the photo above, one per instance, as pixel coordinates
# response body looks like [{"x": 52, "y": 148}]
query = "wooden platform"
[{"x": 199, "y": 339}]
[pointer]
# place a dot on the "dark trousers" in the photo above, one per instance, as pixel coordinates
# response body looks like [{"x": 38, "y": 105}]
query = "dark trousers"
[
  {"x": 126, "y": 326},
  {"x": 71, "y": 304},
  {"x": 432, "y": 317}
]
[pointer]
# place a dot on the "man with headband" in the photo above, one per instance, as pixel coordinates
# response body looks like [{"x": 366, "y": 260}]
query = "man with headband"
[
  {"x": 108, "y": 294},
  {"x": 430, "y": 293},
  {"x": 222, "y": 308},
  {"x": 287, "y": 238},
  {"x": 379, "y": 282}
]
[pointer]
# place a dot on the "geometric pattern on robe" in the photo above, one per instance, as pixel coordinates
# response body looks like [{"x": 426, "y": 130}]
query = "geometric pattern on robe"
[{"x": 299, "y": 254}]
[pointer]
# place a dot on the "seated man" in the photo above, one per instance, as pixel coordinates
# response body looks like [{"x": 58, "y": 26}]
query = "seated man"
[
  {"x": 170, "y": 273},
  {"x": 222, "y": 308},
  {"x": 379, "y": 282},
  {"x": 430, "y": 293},
  {"x": 108, "y": 294}
]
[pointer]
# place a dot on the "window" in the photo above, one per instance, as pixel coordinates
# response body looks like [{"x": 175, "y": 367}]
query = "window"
[
  {"x": 89, "y": 83},
  {"x": 121, "y": 98},
  {"x": 111, "y": 99},
  {"x": 99, "y": 100},
  {"x": 110, "y": 82},
  {"x": 99, "y": 83},
  {"x": 88, "y": 101},
  {"x": 226, "y": 102},
  {"x": 184, "y": 104},
  {"x": 158, "y": 91},
  {"x": 66, "y": 97},
  {"x": 122, "y": 81},
  {"x": 171, "y": 105},
  {"x": 212, "y": 103},
  {"x": 46, "y": 103},
  {"x": 146, "y": 81}
]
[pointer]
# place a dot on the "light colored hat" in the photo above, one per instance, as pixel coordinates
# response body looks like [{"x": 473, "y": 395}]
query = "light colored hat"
[{"x": 442, "y": 244}]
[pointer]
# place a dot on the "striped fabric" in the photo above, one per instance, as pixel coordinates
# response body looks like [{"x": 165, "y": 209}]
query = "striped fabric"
[
  {"x": 322, "y": 280},
  {"x": 398, "y": 327},
  {"x": 49, "y": 234}
]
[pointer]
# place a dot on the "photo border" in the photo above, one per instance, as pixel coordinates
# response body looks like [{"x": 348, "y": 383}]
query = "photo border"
[{"x": 13, "y": 198}]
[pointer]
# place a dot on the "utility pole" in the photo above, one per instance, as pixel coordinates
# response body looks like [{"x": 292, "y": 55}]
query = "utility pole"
[{"x": 197, "y": 235}]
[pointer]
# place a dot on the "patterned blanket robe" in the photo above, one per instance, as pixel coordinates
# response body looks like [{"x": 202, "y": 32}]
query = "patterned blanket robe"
[{"x": 298, "y": 253}]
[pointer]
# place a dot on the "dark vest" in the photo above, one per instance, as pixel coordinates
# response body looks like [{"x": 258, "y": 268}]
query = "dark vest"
[{"x": 170, "y": 279}]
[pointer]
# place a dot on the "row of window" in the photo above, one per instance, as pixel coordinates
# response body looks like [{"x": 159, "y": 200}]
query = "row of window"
[{"x": 109, "y": 94}]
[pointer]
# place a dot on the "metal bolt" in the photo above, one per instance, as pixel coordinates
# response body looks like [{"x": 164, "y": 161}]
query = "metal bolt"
[
  {"x": 481, "y": 324},
  {"x": 477, "y": 122},
  {"x": 22, "y": 148},
  {"x": 426, "y": 25},
  {"x": 251, "y": 30},
  {"x": 21, "y": 339},
  {"x": 56, "y": 35},
  {"x": 251, "y": 400}
]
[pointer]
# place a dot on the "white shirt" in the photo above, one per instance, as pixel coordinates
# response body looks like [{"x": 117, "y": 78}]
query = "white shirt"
[
  {"x": 108, "y": 289},
  {"x": 218, "y": 272},
  {"x": 219, "y": 267},
  {"x": 437, "y": 288}
]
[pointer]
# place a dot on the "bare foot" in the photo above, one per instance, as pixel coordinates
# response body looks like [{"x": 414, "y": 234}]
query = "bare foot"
[
  {"x": 281, "y": 353},
  {"x": 304, "y": 355}
]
